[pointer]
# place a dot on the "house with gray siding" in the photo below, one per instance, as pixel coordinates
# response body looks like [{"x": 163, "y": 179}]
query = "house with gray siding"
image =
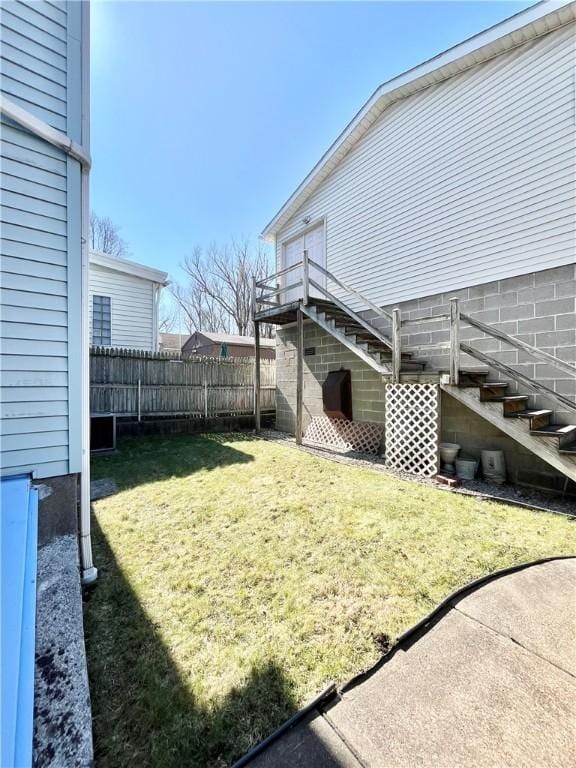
[
  {"x": 433, "y": 245},
  {"x": 124, "y": 297},
  {"x": 45, "y": 161}
]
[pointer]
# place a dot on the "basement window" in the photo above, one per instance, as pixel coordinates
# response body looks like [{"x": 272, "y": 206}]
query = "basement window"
[
  {"x": 309, "y": 351},
  {"x": 101, "y": 321}
]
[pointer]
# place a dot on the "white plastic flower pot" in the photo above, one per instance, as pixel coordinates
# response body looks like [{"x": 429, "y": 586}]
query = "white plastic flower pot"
[
  {"x": 466, "y": 469},
  {"x": 494, "y": 466},
  {"x": 448, "y": 453}
]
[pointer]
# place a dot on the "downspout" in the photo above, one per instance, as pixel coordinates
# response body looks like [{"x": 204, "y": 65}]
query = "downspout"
[
  {"x": 155, "y": 314},
  {"x": 89, "y": 572}
]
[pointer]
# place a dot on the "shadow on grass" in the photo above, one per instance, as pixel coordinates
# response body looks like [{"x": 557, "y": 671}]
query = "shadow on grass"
[
  {"x": 143, "y": 712},
  {"x": 145, "y": 460}
]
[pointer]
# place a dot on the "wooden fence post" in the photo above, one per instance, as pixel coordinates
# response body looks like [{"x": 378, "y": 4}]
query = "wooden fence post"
[
  {"x": 454, "y": 341},
  {"x": 396, "y": 345}
]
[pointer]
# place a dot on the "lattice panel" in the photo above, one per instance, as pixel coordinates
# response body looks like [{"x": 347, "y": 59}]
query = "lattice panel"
[
  {"x": 412, "y": 428},
  {"x": 342, "y": 435}
]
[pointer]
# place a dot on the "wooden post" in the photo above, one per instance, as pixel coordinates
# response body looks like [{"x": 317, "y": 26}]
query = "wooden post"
[
  {"x": 139, "y": 399},
  {"x": 299, "y": 374},
  {"x": 253, "y": 301},
  {"x": 396, "y": 345},
  {"x": 305, "y": 273},
  {"x": 256, "y": 360},
  {"x": 257, "y": 376},
  {"x": 454, "y": 340}
]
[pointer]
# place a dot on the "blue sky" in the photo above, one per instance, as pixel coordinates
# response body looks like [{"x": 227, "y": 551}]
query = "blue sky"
[{"x": 205, "y": 116}]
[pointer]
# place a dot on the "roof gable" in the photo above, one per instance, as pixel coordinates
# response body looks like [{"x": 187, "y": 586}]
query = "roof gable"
[{"x": 517, "y": 30}]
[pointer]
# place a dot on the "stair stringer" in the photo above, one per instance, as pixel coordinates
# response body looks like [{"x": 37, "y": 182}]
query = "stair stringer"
[
  {"x": 514, "y": 428},
  {"x": 330, "y": 327}
]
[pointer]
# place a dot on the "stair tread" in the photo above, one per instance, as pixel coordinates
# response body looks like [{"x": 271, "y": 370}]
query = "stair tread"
[
  {"x": 361, "y": 337},
  {"x": 474, "y": 371},
  {"x": 570, "y": 450},
  {"x": 490, "y": 384},
  {"x": 509, "y": 399},
  {"x": 555, "y": 429},
  {"x": 531, "y": 413}
]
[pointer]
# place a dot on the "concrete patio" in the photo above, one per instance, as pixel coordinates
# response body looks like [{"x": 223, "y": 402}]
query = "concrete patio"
[{"x": 491, "y": 681}]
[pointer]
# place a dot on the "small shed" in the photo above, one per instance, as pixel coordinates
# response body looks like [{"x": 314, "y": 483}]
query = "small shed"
[{"x": 227, "y": 345}]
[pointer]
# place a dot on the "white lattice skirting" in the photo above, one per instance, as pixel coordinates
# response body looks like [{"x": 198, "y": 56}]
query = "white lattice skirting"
[
  {"x": 412, "y": 428},
  {"x": 342, "y": 435}
]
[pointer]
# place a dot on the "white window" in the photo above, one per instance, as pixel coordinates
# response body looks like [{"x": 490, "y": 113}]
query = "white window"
[{"x": 101, "y": 321}]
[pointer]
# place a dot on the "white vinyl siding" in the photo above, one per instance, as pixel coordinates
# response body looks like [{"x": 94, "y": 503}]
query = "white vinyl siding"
[
  {"x": 33, "y": 58},
  {"x": 40, "y": 244},
  {"x": 34, "y": 306},
  {"x": 465, "y": 182},
  {"x": 132, "y": 307}
]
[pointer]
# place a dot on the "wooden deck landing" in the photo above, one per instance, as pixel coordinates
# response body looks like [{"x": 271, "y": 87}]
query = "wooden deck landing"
[{"x": 279, "y": 315}]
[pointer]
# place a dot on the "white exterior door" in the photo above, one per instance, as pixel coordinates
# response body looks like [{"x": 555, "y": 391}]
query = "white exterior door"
[
  {"x": 292, "y": 255},
  {"x": 314, "y": 243},
  {"x": 293, "y": 252}
]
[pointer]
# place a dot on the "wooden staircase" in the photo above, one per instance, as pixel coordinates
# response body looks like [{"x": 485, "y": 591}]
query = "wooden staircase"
[
  {"x": 358, "y": 335},
  {"x": 532, "y": 428}
]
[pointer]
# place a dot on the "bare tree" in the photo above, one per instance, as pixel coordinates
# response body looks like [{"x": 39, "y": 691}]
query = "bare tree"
[
  {"x": 218, "y": 295},
  {"x": 200, "y": 311},
  {"x": 105, "y": 236},
  {"x": 168, "y": 315}
]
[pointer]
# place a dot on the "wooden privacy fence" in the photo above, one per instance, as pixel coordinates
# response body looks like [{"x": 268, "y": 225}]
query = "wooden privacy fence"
[{"x": 145, "y": 384}]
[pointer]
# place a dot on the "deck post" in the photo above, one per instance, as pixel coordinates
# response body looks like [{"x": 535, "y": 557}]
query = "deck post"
[
  {"x": 257, "y": 376},
  {"x": 256, "y": 360},
  {"x": 305, "y": 273},
  {"x": 299, "y": 373},
  {"x": 454, "y": 341},
  {"x": 396, "y": 345}
]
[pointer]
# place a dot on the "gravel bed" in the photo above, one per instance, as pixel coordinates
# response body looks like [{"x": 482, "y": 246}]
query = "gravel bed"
[{"x": 506, "y": 493}]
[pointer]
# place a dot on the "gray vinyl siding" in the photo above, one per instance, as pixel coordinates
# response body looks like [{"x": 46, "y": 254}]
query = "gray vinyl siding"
[
  {"x": 40, "y": 284},
  {"x": 132, "y": 307},
  {"x": 467, "y": 181}
]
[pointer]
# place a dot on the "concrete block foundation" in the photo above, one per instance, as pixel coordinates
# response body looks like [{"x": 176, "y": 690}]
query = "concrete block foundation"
[{"x": 538, "y": 307}]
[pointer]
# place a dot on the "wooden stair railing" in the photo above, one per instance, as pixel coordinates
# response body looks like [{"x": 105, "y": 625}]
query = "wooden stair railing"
[
  {"x": 555, "y": 443},
  {"x": 456, "y": 346}
]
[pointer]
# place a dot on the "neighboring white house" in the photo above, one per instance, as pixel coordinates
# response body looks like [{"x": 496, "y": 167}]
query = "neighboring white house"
[{"x": 124, "y": 298}]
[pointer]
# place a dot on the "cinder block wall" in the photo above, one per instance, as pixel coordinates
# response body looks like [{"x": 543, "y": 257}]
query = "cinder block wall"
[
  {"x": 328, "y": 355},
  {"x": 461, "y": 425},
  {"x": 538, "y": 308}
]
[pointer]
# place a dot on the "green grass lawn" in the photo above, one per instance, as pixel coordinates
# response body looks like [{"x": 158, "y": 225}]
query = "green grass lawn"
[{"x": 237, "y": 577}]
